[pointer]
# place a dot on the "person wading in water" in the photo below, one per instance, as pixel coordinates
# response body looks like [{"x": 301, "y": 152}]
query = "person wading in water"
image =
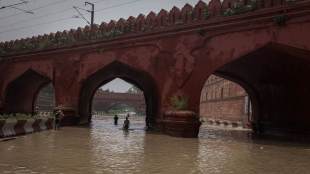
[
  {"x": 115, "y": 119},
  {"x": 58, "y": 116},
  {"x": 126, "y": 123}
]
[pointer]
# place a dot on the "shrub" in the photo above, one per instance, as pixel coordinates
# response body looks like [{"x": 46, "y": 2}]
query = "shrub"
[
  {"x": 239, "y": 8},
  {"x": 179, "y": 102}
]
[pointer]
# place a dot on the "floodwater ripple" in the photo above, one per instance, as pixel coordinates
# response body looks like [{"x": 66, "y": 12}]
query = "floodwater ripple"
[{"x": 104, "y": 148}]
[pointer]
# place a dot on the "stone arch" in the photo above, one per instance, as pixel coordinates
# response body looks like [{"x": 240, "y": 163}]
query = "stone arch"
[
  {"x": 116, "y": 69},
  {"x": 21, "y": 93},
  {"x": 45, "y": 99},
  {"x": 276, "y": 77},
  {"x": 250, "y": 90}
]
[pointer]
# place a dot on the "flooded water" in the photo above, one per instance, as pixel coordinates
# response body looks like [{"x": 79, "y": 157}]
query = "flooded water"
[{"x": 104, "y": 148}]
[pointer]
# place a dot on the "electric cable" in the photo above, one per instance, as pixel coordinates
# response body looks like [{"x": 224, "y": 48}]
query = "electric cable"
[{"x": 62, "y": 19}]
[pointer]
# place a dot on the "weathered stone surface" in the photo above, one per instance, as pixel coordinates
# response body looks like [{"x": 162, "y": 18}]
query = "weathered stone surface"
[
  {"x": 269, "y": 60},
  {"x": 181, "y": 124},
  {"x": 224, "y": 100},
  {"x": 122, "y": 27}
]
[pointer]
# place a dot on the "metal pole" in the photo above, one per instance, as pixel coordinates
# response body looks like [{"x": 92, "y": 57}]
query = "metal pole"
[{"x": 92, "y": 12}]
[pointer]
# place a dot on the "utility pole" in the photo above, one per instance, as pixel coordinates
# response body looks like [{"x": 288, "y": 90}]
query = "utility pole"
[{"x": 92, "y": 12}]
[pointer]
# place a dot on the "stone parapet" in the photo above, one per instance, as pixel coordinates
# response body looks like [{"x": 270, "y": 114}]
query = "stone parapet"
[
  {"x": 13, "y": 127},
  {"x": 136, "y": 25}
]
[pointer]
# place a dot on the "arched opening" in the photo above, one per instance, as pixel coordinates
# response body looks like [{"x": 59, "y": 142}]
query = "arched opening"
[
  {"x": 139, "y": 79},
  {"x": 225, "y": 103},
  {"x": 121, "y": 99},
  {"x": 21, "y": 93},
  {"x": 275, "y": 78},
  {"x": 45, "y": 100}
]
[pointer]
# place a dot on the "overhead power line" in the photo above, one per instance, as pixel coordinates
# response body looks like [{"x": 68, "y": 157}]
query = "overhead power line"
[
  {"x": 16, "y": 4},
  {"x": 45, "y": 15},
  {"x": 40, "y": 7},
  {"x": 26, "y": 11},
  {"x": 92, "y": 13},
  {"x": 63, "y": 10},
  {"x": 12, "y": 5},
  {"x": 80, "y": 14},
  {"x": 48, "y": 5},
  {"x": 62, "y": 19},
  {"x": 35, "y": 25},
  {"x": 118, "y": 5},
  {"x": 39, "y": 17}
]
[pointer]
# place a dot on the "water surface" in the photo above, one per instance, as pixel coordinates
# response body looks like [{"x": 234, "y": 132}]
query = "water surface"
[{"x": 104, "y": 148}]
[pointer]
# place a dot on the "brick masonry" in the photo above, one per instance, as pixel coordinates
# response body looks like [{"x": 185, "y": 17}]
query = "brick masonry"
[
  {"x": 223, "y": 101},
  {"x": 102, "y": 101},
  {"x": 172, "y": 54},
  {"x": 105, "y": 100}
]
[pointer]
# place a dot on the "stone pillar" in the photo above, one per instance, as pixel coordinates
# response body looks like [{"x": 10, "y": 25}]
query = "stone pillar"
[
  {"x": 70, "y": 117},
  {"x": 67, "y": 89},
  {"x": 181, "y": 124}
]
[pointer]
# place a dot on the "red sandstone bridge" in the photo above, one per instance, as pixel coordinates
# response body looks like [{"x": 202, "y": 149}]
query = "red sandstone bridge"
[
  {"x": 104, "y": 101},
  {"x": 263, "y": 45}
]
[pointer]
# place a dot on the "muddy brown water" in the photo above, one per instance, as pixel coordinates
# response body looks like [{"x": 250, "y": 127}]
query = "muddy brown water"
[{"x": 105, "y": 149}]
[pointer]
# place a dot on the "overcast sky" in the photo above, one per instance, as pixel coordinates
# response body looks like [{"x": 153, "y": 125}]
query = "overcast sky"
[{"x": 58, "y": 15}]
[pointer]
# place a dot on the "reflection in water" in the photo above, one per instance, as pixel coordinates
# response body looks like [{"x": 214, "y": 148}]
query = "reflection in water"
[
  {"x": 165, "y": 154},
  {"x": 105, "y": 148},
  {"x": 115, "y": 150}
]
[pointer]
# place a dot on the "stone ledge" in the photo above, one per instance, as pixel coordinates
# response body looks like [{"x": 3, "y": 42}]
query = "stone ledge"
[
  {"x": 13, "y": 127},
  {"x": 225, "y": 123}
]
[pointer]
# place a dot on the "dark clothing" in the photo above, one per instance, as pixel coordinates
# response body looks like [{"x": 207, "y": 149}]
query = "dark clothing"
[
  {"x": 57, "y": 122},
  {"x": 126, "y": 125},
  {"x": 58, "y": 117},
  {"x": 115, "y": 120}
]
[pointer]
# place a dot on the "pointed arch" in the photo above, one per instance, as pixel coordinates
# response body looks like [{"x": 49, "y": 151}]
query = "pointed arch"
[
  {"x": 21, "y": 93},
  {"x": 116, "y": 69},
  {"x": 275, "y": 77}
]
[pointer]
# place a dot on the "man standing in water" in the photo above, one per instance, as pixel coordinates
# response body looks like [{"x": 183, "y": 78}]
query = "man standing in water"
[
  {"x": 126, "y": 123},
  {"x": 115, "y": 119},
  {"x": 58, "y": 116}
]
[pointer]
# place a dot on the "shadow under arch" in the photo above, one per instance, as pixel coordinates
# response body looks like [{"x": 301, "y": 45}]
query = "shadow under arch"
[
  {"x": 249, "y": 89},
  {"x": 275, "y": 77},
  {"x": 21, "y": 93},
  {"x": 114, "y": 70}
]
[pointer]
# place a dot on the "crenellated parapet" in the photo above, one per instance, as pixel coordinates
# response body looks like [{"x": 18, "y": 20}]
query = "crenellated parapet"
[{"x": 137, "y": 25}]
